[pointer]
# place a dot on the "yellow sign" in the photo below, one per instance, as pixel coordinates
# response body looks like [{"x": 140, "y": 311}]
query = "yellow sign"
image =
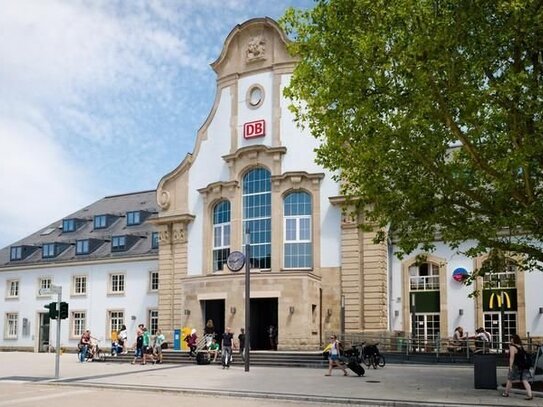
[{"x": 506, "y": 300}]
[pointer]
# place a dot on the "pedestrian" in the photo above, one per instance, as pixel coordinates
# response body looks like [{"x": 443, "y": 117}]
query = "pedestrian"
[
  {"x": 147, "y": 348},
  {"x": 192, "y": 341},
  {"x": 483, "y": 340},
  {"x": 227, "y": 348},
  {"x": 272, "y": 334},
  {"x": 84, "y": 344},
  {"x": 157, "y": 346},
  {"x": 122, "y": 337},
  {"x": 213, "y": 350},
  {"x": 333, "y": 356},
  {"x": 241, "y": 340},
  {"x": 139, "y": 344},
  {"x": 519, "y": 367}
]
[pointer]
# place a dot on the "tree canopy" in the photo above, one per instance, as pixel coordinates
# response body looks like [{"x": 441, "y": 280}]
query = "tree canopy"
[{"x": 430, "y": 113}]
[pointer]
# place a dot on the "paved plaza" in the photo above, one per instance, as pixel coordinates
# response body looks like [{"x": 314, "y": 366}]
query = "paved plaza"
[{"x": 394, "y": 385}]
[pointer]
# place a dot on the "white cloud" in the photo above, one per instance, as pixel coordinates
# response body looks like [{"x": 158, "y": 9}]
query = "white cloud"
[{"x": 36, "y": 180}]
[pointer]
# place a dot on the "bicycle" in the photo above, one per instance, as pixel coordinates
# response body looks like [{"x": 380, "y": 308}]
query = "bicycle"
[
  {"x": 372, "y": 357},
  {"x": 94, "y": 353}
]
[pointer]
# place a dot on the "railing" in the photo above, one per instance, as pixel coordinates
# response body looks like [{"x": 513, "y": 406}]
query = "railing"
[{"x": 440, "y": 347}]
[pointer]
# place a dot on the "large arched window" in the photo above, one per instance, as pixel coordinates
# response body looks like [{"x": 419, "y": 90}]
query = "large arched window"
[
  {"x": 257, "y": 216},
  {"x": 221, "y": 234},
  {"x": 297, "y": 230}
]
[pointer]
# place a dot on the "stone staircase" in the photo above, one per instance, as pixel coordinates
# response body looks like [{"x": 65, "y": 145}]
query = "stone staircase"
[{"x": 258, "y": 358}]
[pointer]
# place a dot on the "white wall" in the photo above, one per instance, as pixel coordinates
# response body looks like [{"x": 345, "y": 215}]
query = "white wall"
[
  {"x": 136, "y": 301},
  {"x": 457, "y": 293}
]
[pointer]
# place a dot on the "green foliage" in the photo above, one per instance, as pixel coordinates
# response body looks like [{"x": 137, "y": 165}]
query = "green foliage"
[{"x": 429, "y": 113}]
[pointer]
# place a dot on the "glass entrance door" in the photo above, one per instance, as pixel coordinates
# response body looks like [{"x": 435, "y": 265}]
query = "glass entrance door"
[{"x": 494, "y": 325}]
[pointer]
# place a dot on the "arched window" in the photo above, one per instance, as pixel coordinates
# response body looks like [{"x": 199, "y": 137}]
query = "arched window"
[
  {"x": 221, "y": 234},
  {"x": 297, "y": 230},
  {"x": 257, "y": 216}
]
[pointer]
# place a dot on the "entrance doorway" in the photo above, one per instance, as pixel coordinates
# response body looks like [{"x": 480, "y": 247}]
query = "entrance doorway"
[
  {"x": 263, "y": 315},
  {"x": 43, "y": 334},
  {"x": 214, "y": 310}
]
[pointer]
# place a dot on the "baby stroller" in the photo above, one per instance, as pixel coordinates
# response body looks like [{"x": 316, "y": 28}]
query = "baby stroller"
[{"x": 372, "y": 357}]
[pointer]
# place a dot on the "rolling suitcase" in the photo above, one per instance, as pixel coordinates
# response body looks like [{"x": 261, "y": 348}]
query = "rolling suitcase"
[{"x": 356, "y": 367}]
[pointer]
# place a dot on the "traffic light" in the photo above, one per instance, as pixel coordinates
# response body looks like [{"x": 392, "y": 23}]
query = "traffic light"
[
  {"x": 63, "y": 310},
  {"x": 52, "y": 307}
]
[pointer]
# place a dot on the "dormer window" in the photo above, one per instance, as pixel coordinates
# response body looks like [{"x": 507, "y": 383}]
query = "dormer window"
[
  {"x": 118, "y": 243},
  {"x": 100, "y": 222},
  {"x": 71, "y": 225},
  {"x": 16, "y": 253},
  {"x": 82, "y": 246},
  {"x": 50, "y": 250},
  {"x": 154, "y": 240},
  {"x": 133, "y": 218},
  {"x": 68, "y": 225}
]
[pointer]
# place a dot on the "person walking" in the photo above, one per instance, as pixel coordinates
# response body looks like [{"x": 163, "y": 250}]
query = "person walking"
[
  {"x": 241, "y": 339},
  {"x": 333, "y": 356},
  {"x": 519, "y": 367},
  {"x": 227, "y": 348}
]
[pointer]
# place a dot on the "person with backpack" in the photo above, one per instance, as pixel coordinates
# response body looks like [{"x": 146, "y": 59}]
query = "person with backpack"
[{"x": 519, "y": 367}]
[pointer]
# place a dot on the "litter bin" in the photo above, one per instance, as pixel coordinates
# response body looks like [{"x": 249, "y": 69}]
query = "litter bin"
[{"x": 484, "y": 372}]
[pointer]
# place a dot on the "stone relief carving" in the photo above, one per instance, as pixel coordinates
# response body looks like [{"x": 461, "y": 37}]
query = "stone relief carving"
[
  {"x": 256, "y": 48},
  {"x": 164, "y": 199},
  {"x": 164, "y": 236},
  {"x": 179, "y": 234}
]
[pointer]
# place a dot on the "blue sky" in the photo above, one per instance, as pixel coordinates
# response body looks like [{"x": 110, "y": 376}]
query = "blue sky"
[{"x": 102, "y": 97}]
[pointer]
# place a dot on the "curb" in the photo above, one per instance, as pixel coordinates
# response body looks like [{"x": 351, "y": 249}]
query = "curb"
[{"x": 355, "y": 401}]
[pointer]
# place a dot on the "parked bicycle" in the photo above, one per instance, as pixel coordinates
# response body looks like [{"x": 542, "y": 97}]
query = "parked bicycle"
[{"x": 372, "y": 357}]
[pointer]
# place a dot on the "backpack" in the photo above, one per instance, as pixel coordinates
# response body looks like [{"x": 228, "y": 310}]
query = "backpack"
[{"x": 523, "y": 359}]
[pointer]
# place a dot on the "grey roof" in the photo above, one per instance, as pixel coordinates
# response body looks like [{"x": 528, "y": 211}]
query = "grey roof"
[{"x": 117, "y": 205}]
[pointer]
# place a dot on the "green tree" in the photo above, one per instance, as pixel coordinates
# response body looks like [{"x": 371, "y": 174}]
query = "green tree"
[{"x": 430, "y": 113}]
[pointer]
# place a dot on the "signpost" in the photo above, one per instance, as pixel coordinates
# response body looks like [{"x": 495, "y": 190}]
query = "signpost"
[{"x": 55, "y": 289}]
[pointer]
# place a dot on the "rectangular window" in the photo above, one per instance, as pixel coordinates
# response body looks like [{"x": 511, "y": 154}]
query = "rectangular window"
[
  {"x": 221, "y": 245},
  {"x": 100, "y": 222},
  {"x": 298, "y": 249},
  {"x": 82, "y": 246},
  {"x": 116, "y": 321},
  {"x": 44, "y": 283},
  {"x": 12, "y": 289},
  {"x": 133, "y": 218},
  {"x": 16, "y": 253},
  {"x": 118, "y": 243},
  {"x": 154, "y": 240},
  {"x": 153, "y": 321},
  {"x": 153, "y": 281},
  {"x": 79, "y": 285},
  {"x": 116, "y": 283},
  {"x": 11, "y": 327},
  {"x": 48, "y": 250},
  {"x": 79, "y": 323},
  {"x": 68, "y": 225}
]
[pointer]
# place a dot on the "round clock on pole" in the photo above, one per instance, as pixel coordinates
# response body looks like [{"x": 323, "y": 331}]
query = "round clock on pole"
[{"x": 235, "y": 261}]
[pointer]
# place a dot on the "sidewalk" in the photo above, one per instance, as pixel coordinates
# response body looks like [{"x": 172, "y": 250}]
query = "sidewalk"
[{"x": 394, "y": 385}]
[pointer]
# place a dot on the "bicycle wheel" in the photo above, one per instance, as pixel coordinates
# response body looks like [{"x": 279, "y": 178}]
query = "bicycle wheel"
[
  {"x": 381, "y": 361},
  {"x": 366, "y": 359},
  {"x": 101, "y": 356}
]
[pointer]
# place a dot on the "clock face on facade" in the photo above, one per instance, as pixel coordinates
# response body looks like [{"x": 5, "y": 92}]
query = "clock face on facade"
[{"x": 235, "y": 261}]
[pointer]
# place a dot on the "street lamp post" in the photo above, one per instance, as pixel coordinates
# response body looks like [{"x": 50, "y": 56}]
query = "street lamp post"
[{"x": 247, "y": 298}]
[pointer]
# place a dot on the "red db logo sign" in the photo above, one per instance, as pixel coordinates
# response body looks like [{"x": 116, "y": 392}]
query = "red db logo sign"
[{"x": 254, "y": 129}]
